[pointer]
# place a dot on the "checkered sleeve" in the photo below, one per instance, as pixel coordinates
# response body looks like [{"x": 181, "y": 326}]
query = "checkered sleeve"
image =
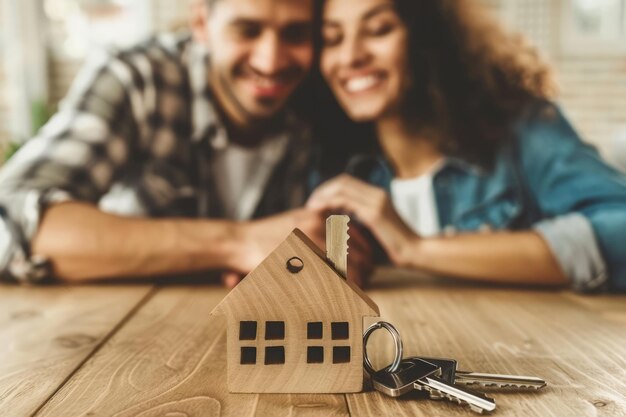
[{"x": 77, "y": 155}]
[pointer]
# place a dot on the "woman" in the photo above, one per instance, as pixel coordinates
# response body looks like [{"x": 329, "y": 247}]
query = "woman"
[{"x": 482, "y": 177}]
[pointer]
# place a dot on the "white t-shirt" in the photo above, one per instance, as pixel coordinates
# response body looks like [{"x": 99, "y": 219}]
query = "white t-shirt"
[
  {"x": 414, "y": 200},
  {"x": 241, "y": 174}
]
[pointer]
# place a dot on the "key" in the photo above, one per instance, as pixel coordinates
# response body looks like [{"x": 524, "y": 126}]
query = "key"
[
  {"x": 400, "y": 382},
  {"x": 451, "y": 374},
  {"x": 438, "y": 388},
  {"x": 421, "y": 375}
]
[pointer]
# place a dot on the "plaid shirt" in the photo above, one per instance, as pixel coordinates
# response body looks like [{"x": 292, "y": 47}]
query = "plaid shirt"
[{"x": 135, "y": 135}]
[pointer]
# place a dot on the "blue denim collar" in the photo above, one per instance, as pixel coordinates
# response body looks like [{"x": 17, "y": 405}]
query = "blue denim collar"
[{"x": 377, "y": 169}]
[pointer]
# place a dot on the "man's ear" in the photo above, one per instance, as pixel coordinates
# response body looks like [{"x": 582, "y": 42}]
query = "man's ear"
[{"x": 198, "y": 21}]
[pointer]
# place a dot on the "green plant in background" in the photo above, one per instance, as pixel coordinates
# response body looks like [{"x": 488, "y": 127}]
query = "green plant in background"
[
  {"x": 40, "y": 114},
  {"x": 11, "y": 149}
]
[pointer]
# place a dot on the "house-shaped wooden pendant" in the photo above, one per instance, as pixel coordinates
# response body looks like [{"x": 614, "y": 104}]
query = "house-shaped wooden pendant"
[{"x": 295, "y": 325}]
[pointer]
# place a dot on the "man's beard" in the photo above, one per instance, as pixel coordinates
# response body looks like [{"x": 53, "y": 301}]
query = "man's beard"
[
  {"x": 290, "y": 75},
  {"x": 258, "y": 125}
]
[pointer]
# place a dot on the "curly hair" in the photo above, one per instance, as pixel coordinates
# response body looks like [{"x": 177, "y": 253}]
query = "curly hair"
[{"x": 470, "y": 79}]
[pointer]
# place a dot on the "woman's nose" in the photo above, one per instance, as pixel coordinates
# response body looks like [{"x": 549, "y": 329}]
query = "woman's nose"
[{"x": 354, "y": 52}]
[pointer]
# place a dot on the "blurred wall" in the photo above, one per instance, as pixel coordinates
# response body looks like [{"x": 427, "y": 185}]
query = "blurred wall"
[
  {"x": 165, "y": 15},
  {"x": 592, "y": 80},
  {"x": 4, "y": 109}
]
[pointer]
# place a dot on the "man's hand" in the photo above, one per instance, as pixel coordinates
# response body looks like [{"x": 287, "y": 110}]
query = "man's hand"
[{"x": 257, "y": 239}]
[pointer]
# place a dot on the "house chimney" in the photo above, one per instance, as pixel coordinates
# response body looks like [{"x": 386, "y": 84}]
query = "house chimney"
[{"x": 337, "y": 243}]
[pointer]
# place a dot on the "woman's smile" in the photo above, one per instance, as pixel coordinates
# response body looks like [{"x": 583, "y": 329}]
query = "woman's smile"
[{"x": 364, "y": 82}]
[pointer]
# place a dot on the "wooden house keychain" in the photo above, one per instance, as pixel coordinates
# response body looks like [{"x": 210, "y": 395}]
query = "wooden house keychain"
[{"x": 295, "y": 324}]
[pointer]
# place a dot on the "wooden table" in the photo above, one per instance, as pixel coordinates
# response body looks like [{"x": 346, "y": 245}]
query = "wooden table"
[{"x": 151, "y": 350}]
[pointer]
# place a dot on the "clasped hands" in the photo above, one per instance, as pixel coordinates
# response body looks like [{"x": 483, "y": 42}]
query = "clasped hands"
[{"x": 367, "y": 205}]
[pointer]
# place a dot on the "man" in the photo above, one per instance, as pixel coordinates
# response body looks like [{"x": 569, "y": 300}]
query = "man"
[{"x": 161, "y": 155}]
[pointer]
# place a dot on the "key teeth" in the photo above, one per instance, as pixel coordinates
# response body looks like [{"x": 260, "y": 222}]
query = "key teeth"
[
  {"x": 437, "y": 395},
  {"x": 501, "y": 385},
  {"x": 476, "y": 409}
]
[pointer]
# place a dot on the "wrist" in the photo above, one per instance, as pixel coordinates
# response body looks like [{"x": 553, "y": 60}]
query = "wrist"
[
  {"x": 409, "y": 253},
  {"x": 237, "y": 236}
]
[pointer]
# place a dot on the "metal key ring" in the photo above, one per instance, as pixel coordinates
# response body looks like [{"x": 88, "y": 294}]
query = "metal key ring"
[{"x": 396, "y": 338}]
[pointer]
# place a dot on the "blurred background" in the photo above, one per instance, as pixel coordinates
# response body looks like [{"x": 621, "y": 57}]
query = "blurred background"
[{"x": 44, "y": 42}]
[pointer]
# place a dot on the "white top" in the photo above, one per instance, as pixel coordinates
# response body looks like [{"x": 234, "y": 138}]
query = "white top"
[
  {"x": 241, "y": 174},
  {"x": 414, "y": 200}
]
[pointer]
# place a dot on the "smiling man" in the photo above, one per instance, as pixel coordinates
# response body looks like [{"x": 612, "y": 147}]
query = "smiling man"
[
  {"x": 261, "y": 50},
  {"x": 162, "y": 154}
]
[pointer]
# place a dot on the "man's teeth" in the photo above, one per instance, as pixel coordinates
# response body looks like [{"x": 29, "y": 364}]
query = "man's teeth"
[{"x": 357, "y": 84}]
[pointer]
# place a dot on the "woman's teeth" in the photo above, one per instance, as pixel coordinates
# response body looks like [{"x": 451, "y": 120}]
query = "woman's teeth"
[{"x": 357, "y": 84}]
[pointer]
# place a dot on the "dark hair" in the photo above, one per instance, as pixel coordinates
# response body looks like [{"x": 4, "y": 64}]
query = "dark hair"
[{"x": 470, "y": 79}]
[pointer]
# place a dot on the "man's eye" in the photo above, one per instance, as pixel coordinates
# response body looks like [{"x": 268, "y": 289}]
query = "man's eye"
[
  {"x": 296, "y": 34},
  {"x": 248, "y": 30}
]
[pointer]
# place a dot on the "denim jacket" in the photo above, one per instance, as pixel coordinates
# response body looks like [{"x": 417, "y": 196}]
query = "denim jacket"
[{"x": 545, "y": 179}]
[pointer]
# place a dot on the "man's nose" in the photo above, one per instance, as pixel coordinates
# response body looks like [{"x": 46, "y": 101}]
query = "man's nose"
[{"x": 269, "y": 55}]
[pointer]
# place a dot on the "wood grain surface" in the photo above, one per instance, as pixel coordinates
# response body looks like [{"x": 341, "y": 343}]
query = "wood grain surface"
[
  {"x": 46, "y": 333},
  {"x": 581, "y": 355},
  {"x": 172, "y": 360},
  {"x": 169, "y": 358}
]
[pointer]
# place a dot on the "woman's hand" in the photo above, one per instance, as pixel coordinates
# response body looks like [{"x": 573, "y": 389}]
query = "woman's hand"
[{"x": 373, "y": 208}]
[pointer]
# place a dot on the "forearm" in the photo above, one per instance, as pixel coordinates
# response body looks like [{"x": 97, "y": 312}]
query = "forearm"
[
  {"x": 84, "y": 243},
  {"x": 507, "y": 257}
]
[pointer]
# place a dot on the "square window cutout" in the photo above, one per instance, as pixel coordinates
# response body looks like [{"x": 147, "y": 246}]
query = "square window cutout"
[
  {"x": 274, "y": 355},
  {"x": 248, "y": 356},
  {"x": 274, "y": 330},
  {"x": 247, "y": 330},
  {"x": 315, "y": 354},
  {"x": 314, "y": 330},
  {"x": 341, "y": 354},
  {"x": 340, "y": 330}
]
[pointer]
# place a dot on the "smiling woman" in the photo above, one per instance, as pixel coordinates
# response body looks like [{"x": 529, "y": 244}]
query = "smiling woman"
[
  {"x": 469, "y": 145},
  {"x": 378, "y": 30},
  {"x": 409, "y": 54}
]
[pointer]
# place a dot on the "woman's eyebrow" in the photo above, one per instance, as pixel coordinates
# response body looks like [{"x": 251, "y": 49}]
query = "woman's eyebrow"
[
  {"x": 376, "y": 10},
  {"x": 367, "y": 15}
]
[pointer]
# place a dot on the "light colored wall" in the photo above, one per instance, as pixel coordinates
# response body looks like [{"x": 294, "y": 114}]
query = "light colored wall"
[
  {"x": 4, "y": 109},
  {"x": 165, "y": 15},
  {"x": 168, "y": 14},
  {"x": 592, "y": 84}
]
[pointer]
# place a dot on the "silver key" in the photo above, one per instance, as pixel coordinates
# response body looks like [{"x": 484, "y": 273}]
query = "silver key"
[
  {"x": 415, "y": 373},
  {"x": 451, "y": 374}
]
